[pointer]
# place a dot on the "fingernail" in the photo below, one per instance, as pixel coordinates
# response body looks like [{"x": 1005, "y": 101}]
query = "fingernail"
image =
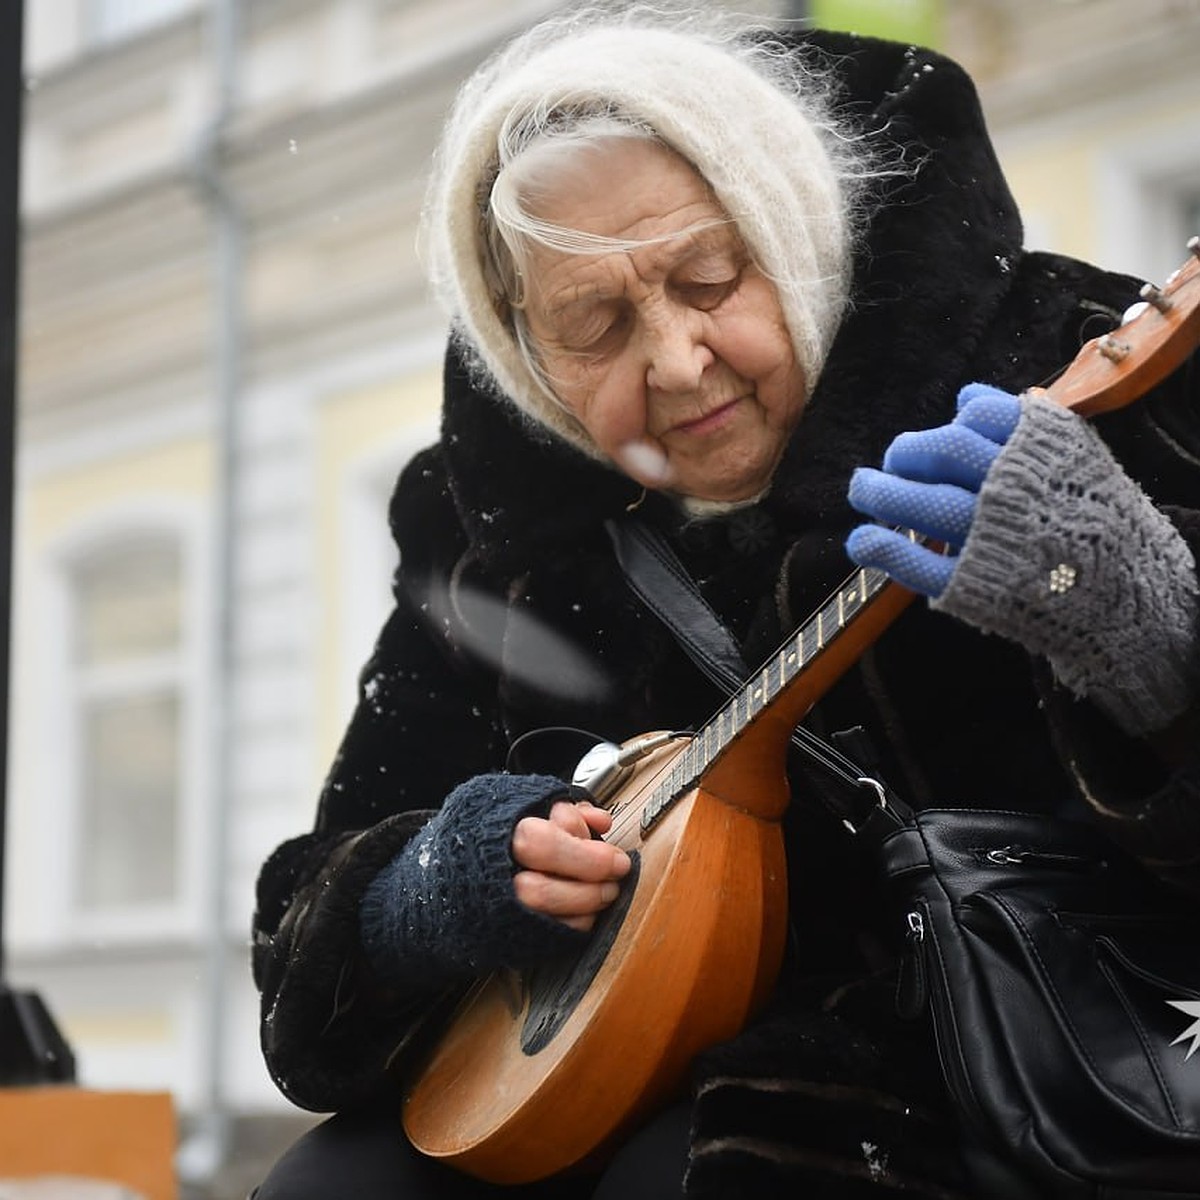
[
  {"x": 622, "y": 862},
  {"x": 608, "y": 892}
]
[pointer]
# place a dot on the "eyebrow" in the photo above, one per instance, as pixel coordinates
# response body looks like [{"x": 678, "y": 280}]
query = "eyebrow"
[{"x": 708, "y": 239}]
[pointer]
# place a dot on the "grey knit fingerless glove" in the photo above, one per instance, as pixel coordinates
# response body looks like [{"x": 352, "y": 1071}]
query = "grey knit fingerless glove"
[
  {"x": 1068, "y": 557},
  {"x": 445, "y": 908}
]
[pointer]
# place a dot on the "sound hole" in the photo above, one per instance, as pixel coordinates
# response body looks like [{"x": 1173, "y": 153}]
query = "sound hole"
[{"x": 557, "y": 987}]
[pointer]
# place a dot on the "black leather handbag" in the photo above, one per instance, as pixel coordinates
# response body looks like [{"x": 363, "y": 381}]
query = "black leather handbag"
[
  {"x": 1062, "y": 979},
  {"x": 1063, "y": 984}
]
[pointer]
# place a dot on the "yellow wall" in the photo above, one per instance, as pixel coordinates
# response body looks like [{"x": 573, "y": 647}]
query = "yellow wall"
[
  {"x": 58, "y": 502},
  {"x": 1052, "y": 187}
]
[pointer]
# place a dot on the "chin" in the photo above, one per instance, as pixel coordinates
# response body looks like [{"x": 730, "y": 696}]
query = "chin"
[
  {"x": 714, "y": 501},
  {"x": 734, "y": 489}
]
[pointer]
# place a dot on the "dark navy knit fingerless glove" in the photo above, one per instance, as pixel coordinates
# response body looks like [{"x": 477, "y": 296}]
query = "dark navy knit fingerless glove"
[{"x": 445, "y": 908}]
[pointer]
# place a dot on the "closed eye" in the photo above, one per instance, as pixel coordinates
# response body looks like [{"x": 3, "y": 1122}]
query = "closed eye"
[
  {"x": 707, "y": 295},
  {"x": 597, "y": 336}
]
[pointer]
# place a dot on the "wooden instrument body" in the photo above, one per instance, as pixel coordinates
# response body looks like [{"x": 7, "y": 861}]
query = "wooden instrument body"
[{"x": 698, "y": 947}]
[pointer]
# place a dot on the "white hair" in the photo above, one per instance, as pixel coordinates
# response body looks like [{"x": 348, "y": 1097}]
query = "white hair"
[{"x": 749, "y": 114}]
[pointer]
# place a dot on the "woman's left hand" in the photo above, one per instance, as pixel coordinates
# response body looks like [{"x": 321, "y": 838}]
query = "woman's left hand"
[{"x": 1052, "y": 545}]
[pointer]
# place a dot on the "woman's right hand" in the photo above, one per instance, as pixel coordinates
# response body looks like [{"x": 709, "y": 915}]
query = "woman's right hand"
[{"x": 563, "y": 870}]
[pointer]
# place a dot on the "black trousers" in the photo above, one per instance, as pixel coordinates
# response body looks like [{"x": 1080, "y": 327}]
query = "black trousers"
[{"x": 366, "y": 1156}]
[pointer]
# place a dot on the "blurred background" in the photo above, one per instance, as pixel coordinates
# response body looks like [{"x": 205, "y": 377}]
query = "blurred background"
[{"x": 227, "y": 352}]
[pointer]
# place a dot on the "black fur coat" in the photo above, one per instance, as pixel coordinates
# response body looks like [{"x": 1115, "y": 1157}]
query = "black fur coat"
[{"x": 512, "y": 615}]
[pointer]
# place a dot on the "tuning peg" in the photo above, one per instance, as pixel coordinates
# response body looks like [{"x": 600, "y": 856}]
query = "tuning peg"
[
  {"x": 1113, "y": 350},
  {"x": 1153, "y": 295}
]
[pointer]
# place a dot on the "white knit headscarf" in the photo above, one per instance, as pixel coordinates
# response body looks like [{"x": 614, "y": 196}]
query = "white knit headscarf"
[{"x": 763, "y": 146}]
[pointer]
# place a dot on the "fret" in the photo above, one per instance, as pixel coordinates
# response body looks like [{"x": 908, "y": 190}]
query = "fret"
[
  {"x": 685, "y": 764},
  {"x": 852, "y": 604},
  {"x": 820, "y": 629},
  {"x": 841, "y": 610},
  {"x": 826, "y": 617}
]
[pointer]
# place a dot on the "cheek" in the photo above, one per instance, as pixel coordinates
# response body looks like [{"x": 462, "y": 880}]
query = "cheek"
[
  {"x": 761, "y": 352},
  {"x": 611, "y": 406}
]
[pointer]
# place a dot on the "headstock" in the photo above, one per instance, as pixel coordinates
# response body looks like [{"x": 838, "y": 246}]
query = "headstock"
[{"x": 1157, "y": 336}]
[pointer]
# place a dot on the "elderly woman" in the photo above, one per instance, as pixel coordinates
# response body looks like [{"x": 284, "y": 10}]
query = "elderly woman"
[{"x": 700, "y": 278}]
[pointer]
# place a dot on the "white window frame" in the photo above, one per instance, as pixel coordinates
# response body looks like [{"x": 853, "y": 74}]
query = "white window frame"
[
  {"x": 60, "y": 734},
  {"x": 101, "y": 25}
]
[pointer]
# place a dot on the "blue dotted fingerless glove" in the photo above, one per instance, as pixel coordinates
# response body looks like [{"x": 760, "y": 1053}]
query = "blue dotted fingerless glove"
[{"x": 445, "y": 908}]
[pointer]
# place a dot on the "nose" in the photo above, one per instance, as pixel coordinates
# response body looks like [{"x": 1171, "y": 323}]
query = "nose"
[{"x": 677, "y": 353}]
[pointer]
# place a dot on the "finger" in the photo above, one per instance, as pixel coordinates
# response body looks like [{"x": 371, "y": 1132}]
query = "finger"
[
  {"x": 581, "y": 819},
  {"x": 916, "y": 567},
  {"x": 937, "y": 510},
  {"x": 972, "y": 393},
  {"x": 988, "y": 410},
  {"x": 948, "y": 454},
  {"x": 599, "y": 820},
  {"x": 542, "y": 845},
  {"x": 568, "y": 899}
]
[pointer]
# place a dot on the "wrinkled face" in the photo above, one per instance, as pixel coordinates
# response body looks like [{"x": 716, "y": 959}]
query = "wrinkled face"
[{"x": 677, "y": 348}]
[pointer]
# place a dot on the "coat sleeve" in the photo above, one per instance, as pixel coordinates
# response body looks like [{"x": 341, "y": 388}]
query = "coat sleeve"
[
  {"x": 331, "y": 1033},
  {"x": 1146, "y": 792}
]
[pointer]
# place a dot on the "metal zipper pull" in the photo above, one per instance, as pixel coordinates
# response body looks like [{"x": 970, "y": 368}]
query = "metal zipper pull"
[
  {"x": 1011, "y": 856},
  {"x": 911, "y": 990}
]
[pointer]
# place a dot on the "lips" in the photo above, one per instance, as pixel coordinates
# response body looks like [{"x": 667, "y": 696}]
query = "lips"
[{"x": 710, "y": 421}]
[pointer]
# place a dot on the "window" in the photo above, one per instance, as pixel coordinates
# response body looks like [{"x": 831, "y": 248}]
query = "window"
[
  {"x": 107, "y": 20},
  {"x": 126, "y": 681},
  {"x": 1148, "y": 196}
]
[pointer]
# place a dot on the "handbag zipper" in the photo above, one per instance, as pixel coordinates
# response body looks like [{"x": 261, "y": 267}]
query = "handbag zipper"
[
  {"x": 1012, "y": 856},
  {"x": 914, "y": 980},
  {"x": 912, "y": 990}
]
